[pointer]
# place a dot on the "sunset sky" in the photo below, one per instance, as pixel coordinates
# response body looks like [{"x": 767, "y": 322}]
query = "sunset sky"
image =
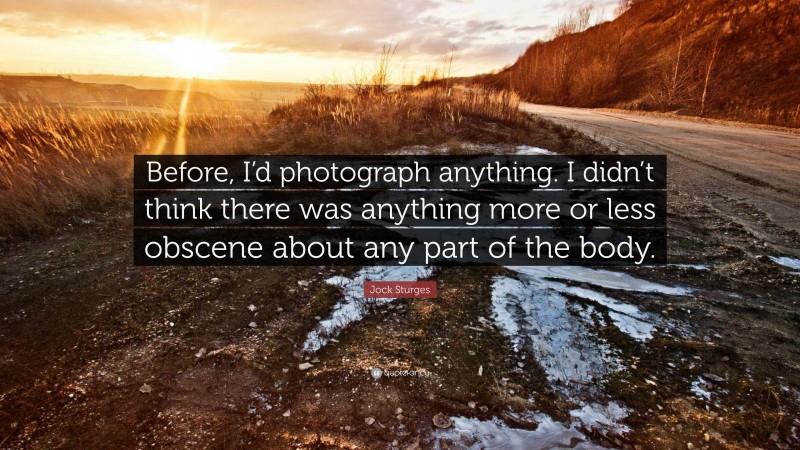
[{"x": 267, "y": 40}]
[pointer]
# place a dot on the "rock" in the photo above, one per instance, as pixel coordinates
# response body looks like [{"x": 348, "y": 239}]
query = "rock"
[
  {"x": 215, "y": 280},
  {"x": 480, "y": 371},
  {"x": 252, "y": 324},
  {"x": 442, "y": 421},
  {"x": 713, "y": 377},
  {"x": 369, "y": 421},
  {"x": 146, "y": 389},
  {"x": 347, "y": 428},
  {"x": 305, "y": 366},
  {"x": 287, "y": 413},
  {"x": 279, "y": 310},
  {"x": 520, "y": 364},
  {"x": 398, "y": 411},
  {"x": 483, "y": 408},
  {"x": 472, "y": 405},
  {"x": 689, "y": 445},
  {"x": 285, "y": 370},
  {"x": 252, "y": 308},
  {"x": 200, "y": 353}
]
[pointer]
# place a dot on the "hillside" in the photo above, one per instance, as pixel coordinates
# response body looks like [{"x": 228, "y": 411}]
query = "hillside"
[
  {"x": 52, "y": 90},
  {"x": 734, "y": 59}
]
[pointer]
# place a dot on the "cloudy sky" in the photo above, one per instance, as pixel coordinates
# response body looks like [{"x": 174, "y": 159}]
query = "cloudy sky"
[{"x": 269, "y": 40}]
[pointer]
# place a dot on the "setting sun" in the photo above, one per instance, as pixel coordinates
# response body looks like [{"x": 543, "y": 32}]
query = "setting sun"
[{"x": 195, "y": 57}]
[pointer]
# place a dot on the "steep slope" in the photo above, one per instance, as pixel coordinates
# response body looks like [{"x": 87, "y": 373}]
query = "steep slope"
[{"x": 737, "y": 59}]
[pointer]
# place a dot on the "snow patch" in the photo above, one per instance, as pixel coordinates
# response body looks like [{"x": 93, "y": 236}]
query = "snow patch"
[
  {"x": 527, "y": 150},
  {"x": 477, "y": 434},
  {"x": 785, "y": 261},
  {"x": 353, "y": 306}
]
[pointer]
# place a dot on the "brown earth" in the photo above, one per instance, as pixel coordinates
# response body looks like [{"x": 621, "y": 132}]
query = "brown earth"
[{"x": 98, "y": 353}]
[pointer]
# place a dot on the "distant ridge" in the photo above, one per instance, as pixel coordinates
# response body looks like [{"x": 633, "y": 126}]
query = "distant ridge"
[{"x": 54, "y": 89}]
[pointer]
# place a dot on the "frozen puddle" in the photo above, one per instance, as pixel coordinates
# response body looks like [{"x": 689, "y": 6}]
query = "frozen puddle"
[
  {"x": 785, "y": 261},
  {"x": 527, "y": 150},
  {"x": 534, "y": 310},
  {"x": 495, "y": 434},
  {"x": 353, "y": 306}
]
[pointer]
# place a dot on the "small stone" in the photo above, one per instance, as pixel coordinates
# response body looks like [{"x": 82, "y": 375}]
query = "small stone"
[
  {"x": 713, "y": 377},
  {"x": 252, "y": 324},
  {"x": 369, "y": 421},
  {"x": 285, "y": 370},
  {"x": 215, "y": 280},
  {"x": 347, "y": 428},
  {"x": 442, "y": 421},
  {"x": 146, "y": 389},
  {"x": 200, "y": 353},
  {"x": 689, "y": 445},
  {"x": 480, "y": 371},
  {"x": 472, "y": 405},
  {"x": 483, "y": 408},
  {"x": 287, "y": 413},
  {"x": 398, "y": 411},
  {"x": 279, "y": 309},
  {"x": 706, "y": 437},
  {"x": 252, "y": 308},
  {"x": 305, "y": 366},
  {"x": 520, "y": 364}
]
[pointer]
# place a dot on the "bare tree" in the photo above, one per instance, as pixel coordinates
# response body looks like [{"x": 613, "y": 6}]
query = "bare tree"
[
  {"x": 707, "y": 72},
  {"x": 447, "y": 65},
  {"x": 381, "y": 78},
  {"x": 674, "y": 84}
]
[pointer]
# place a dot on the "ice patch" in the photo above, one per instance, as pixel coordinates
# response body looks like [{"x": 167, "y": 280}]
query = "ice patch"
[
  {"x": 527, "y": 150},
  {"x": 477, "y": 434},
  {"x": 698, "y": 389},
  {"x": 534, "y": 310},
  {"x": 785, "y": 261},
  {"x": 353, "y": 306},
  {"x": 602, "y": 278},
  {"x": 532, "y": 314},
  {"x": 691, "y": 266},
  {"x": 602, "y": 416}
]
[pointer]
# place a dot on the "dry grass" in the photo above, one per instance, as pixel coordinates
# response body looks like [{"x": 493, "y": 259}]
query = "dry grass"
[
  {"x": 335, "y": 119},
  {"x": 55, "y": 161}
]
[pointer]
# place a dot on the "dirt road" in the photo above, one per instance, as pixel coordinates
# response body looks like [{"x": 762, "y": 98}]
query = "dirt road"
[{"x": 751, "y": 174}]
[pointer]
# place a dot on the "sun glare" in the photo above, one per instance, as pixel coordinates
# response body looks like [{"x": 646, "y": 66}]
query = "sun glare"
[{"x": 194, "y": 57}]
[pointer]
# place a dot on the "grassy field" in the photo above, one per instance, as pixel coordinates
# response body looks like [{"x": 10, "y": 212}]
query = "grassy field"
[{"x": 55, "y": 161}]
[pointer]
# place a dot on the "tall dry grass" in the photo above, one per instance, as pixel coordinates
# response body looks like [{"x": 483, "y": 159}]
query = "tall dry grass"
[
  {"x": 337, "y": 119},
  {"x": 55, "y": 161}
]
